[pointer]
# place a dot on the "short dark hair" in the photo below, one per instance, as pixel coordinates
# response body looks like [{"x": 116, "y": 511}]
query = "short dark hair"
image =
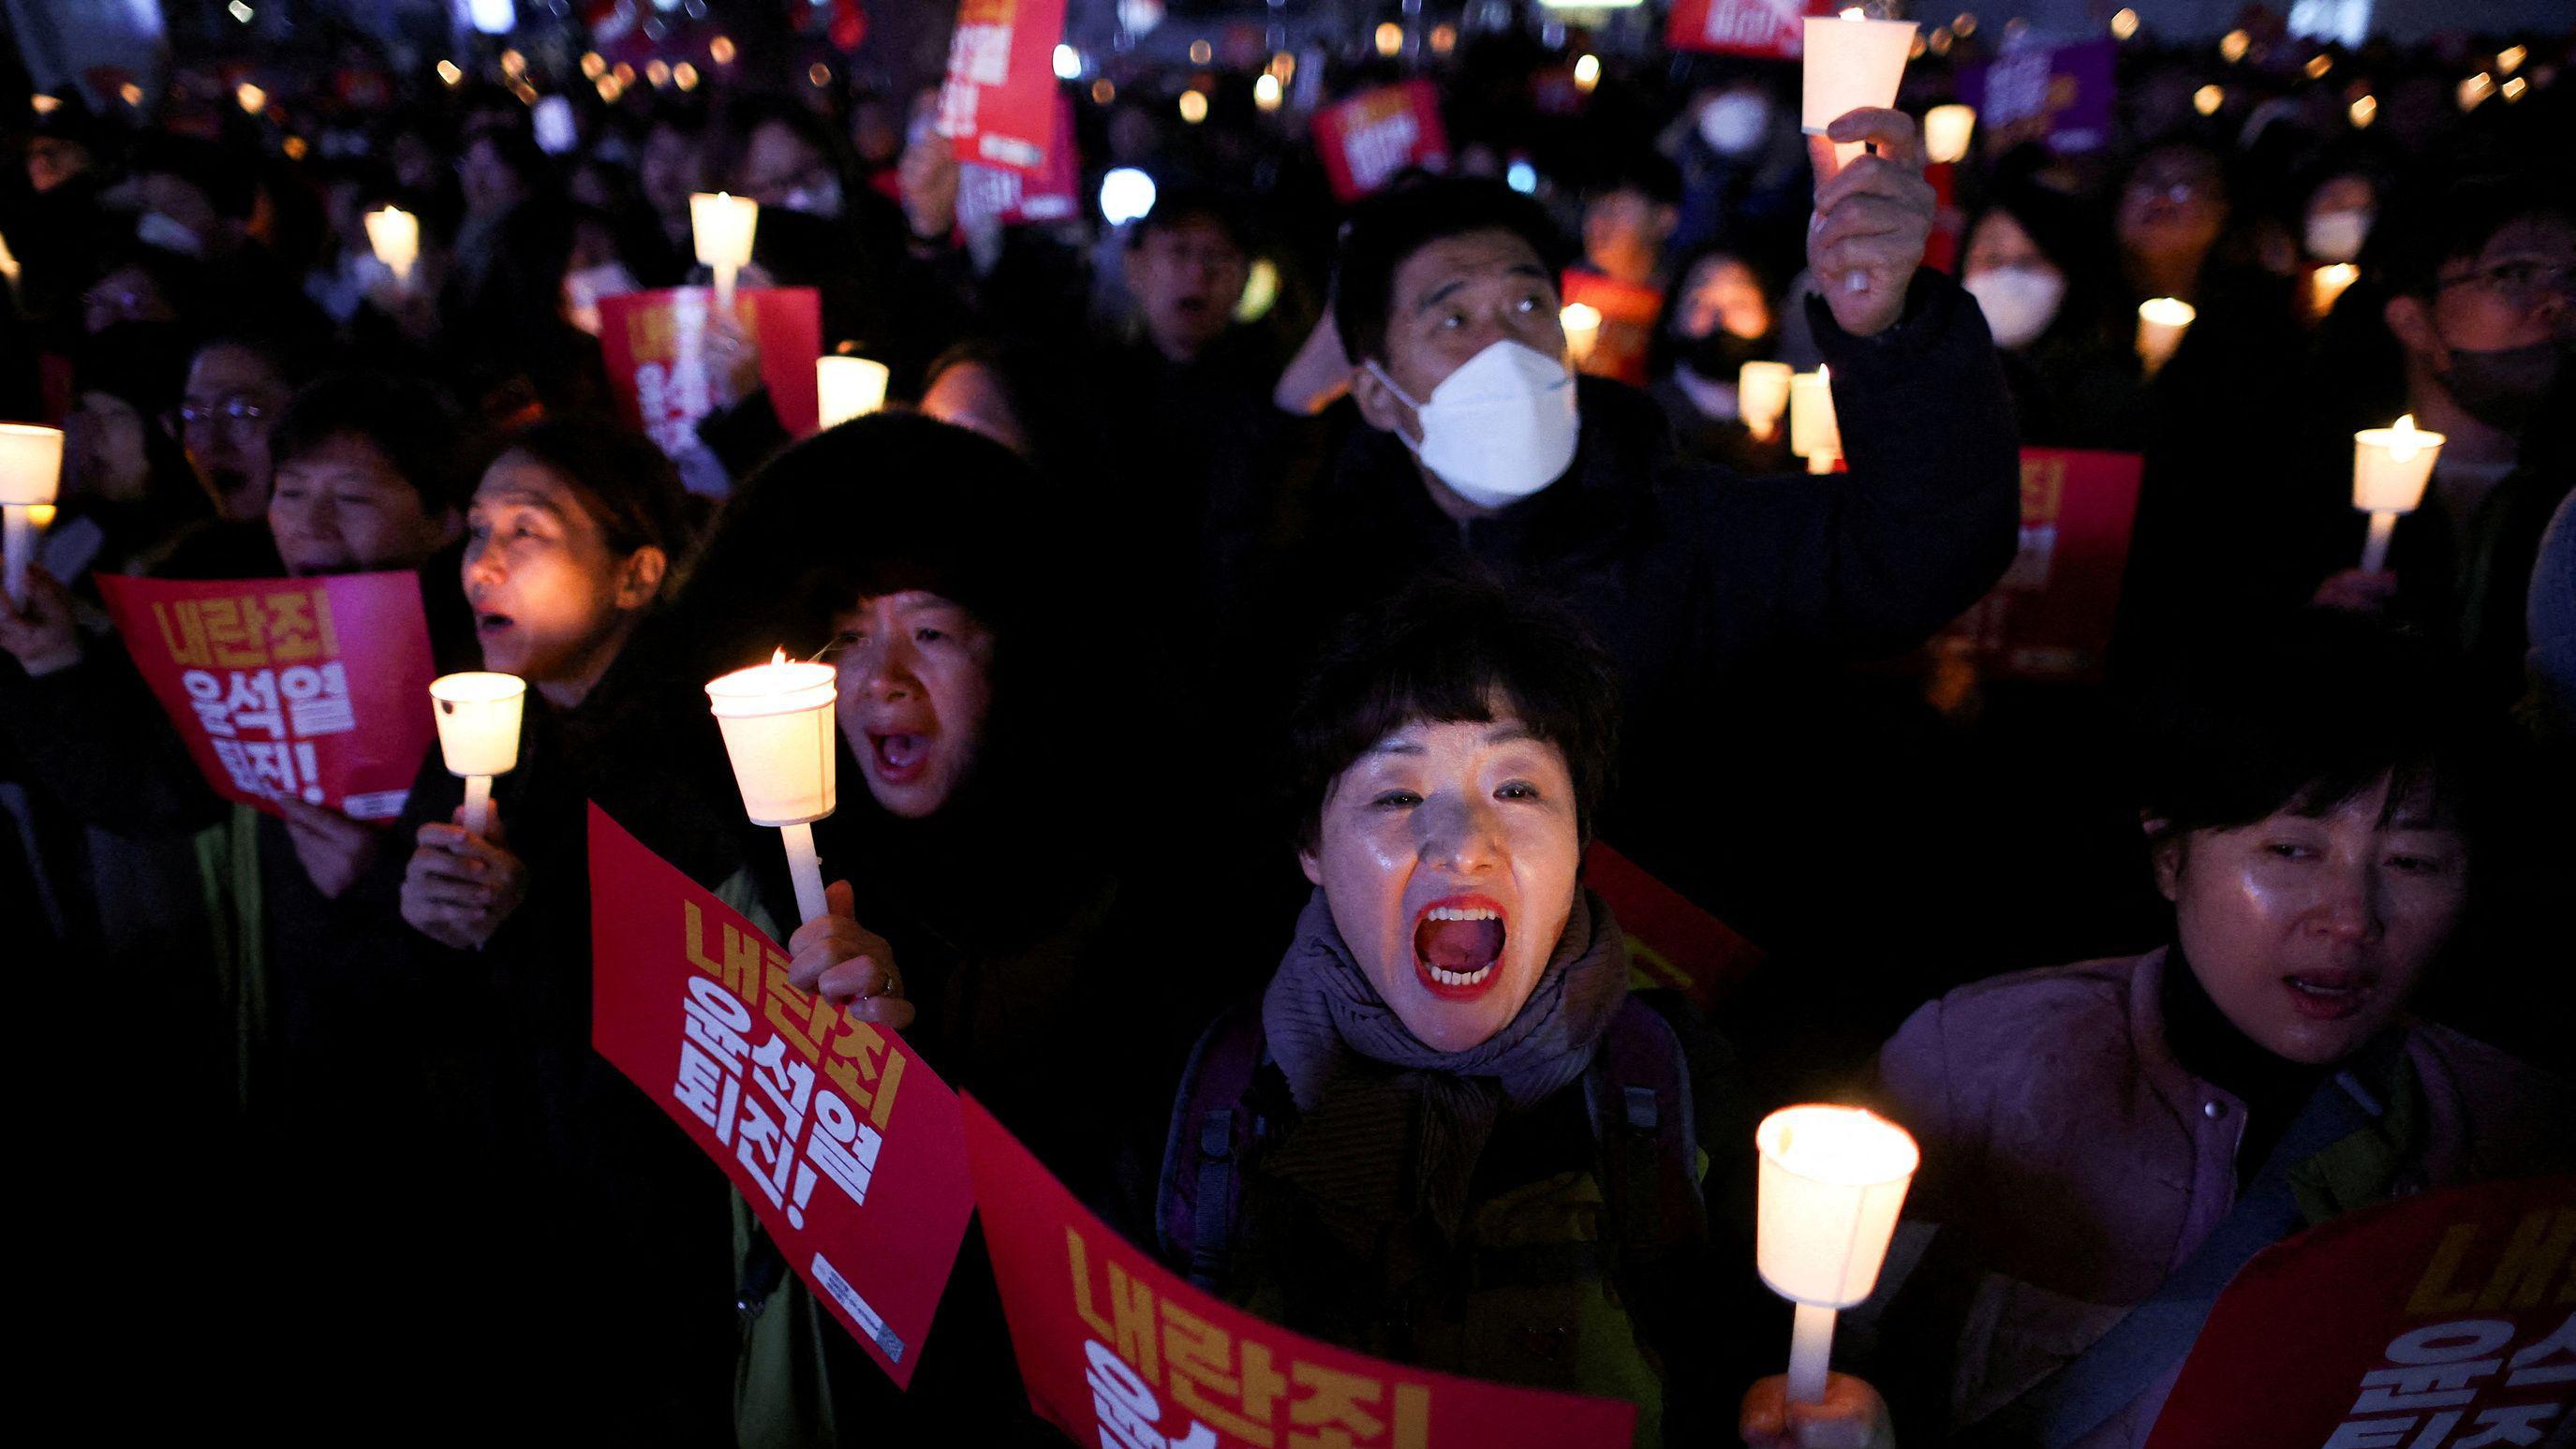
[
  {"x": 2425, "y": 229},
  {"x": 408, "y": 420},
  {"x": 1455, "y": 649},
  {"x": 1178, "y": 206},
  {"x": 624, "y": 481},
  {"x": 1388, "y": 228},
  {"x": 2304, "y": 715}
]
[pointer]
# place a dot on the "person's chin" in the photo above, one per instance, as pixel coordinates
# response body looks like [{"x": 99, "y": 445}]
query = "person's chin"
[{"x": 912, "y": 799}]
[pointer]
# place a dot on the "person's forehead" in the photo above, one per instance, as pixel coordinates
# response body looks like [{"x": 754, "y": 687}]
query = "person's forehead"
[
  {"x": 515, "y": 477},
  {"x": 1191, "y": 232},
  {"x": 1421, "y": 736},
  {"x": 347, "y": 454},
  {"x": 1491, "y": 253},
  {"x": 219, "y": 370},
  {"x": 2546, "y": 235}
]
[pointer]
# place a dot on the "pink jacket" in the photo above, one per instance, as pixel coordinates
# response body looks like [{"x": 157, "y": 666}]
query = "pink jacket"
[{"x": 2059, "y": 1131}]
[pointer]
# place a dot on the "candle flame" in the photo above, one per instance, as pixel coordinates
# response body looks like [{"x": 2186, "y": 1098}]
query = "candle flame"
[
  {"x": 1854, "y": 12},
  {"x": 778, "y": 655},
  {"x": 2401, "y": 443},
  {"x": 1824, "y": 372}
]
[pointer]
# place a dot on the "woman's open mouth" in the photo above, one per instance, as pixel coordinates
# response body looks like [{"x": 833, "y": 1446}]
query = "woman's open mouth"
[
  {"x": 2329, "y": 995},
  {"x": 1458, "y": 946},
  {"x": 898, "y": 759}
]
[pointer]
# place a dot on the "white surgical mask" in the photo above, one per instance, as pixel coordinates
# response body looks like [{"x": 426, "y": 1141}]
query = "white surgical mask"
[
  {"x": 160, "y": 229},
  {"x": 1500, "y": 428},
  {"x": 2019, "y": 302},
  {"x": 1735, "y": 123},
  {"x": 2336, "y": 236}
]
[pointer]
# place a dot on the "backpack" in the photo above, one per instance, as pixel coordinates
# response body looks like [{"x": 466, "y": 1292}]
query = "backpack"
[{"x": 1234, "y": 1103}]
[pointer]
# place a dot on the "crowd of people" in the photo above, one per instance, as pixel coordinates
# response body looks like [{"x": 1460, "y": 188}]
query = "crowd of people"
[{"x": 1249, "y": 620}]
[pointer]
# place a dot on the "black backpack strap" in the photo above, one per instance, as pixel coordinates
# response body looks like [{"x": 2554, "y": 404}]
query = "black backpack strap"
[
  {"x": 1639, "y": 1092},
  {"x": 1214, "y": 1124}
]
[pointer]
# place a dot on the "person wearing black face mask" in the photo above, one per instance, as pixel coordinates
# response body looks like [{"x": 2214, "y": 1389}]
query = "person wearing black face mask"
[
  {"x": 2482, "y": 280},
  {"x": 1719, "y": 318}
]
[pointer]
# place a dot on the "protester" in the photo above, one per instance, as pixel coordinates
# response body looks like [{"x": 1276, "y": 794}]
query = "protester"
[
  {"x": 1874, "y": 746},
  {"x": 2314, "y": 806},
  {"x": 1411, "y": 1107}
]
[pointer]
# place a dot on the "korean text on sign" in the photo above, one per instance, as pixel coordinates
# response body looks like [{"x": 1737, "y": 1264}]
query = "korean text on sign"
[
  {"x": 2441, "y": 1321},
  {"x": 254, "y": 675},
  {"x": 846, "y": 1146},
  {"x": 1119, "y": 1352}
]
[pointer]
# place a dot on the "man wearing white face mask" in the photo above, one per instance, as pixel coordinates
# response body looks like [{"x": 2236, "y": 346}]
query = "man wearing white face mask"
[{"x": 1486, "y": 454}]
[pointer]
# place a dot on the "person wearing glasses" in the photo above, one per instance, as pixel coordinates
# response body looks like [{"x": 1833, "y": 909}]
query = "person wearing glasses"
[
  {"x": 236, "y": 386},
  {"x": 2481, "y": 283}
]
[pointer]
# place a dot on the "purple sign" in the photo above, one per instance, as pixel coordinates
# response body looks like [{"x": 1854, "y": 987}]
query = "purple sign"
[{"x": 2059, "y": 95}]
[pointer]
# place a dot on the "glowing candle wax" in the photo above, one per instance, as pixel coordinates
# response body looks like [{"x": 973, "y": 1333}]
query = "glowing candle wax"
[
  {"x": 2161, "y": 324},
  {"x": 478, "y": 717},
  {"x": 849, "y": 386},
  {"x": 1814, "y": 433},
  {"x": 1582, "y": 323},
  {"x": 1762, "y": 395},
  {"x": 1852, "y": 63},
  {"x": 1832, "y": 1181},
  {"x": 779, "y": 732},
  {"x": 723, "y": 227},
  {"x": 2390, "y": 468},
  {"x": 31, "y": 470},
  {"x": 394, "y": 234}
]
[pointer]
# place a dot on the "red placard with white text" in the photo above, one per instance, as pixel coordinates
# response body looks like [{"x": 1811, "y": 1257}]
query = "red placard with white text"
[
  {"x": 1120, "y": 1352},
  {"x": 1366, "y": 140},
  {"x": 998, "y": 104},
  {"x": 1771, "y": 28},
  {"x": 316, "y": 689},
  {"x": 2446, "y": 1321},
  {"x": 2051, "y": 615},
  {"x": 845, "y": 1143},
  {"x": 654, "y": 345},
  {"x": 998, "y": 193}
]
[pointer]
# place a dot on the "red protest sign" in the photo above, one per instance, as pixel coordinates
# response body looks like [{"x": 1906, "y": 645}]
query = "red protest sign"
[
  {"x": 2433, "y": 1322},
  {"x": 655, "y": 348},
  {"x": 1772, "y": 28},
  {"x": 998, "y": 104},
  {"x": 1670, "y": 939},
  {"x": 311, "y": 688},
  {"x": 844, "y": 1142},
  {"x": 2050, "y": 617},
  {"x": 1367, "y": 139},
  {"x": 1106, "y": 1337},
  {"x": 997, "y": 193}
]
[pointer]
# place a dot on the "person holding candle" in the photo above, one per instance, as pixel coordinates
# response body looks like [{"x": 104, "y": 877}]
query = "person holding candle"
[
  {"x": 563, "y": 1174},
  {"x": 1482, "y": 451},
  {"x": 1403, "y": 1147},
  {"x": 2315, "y": 805},
  {"x": 2481, "y": 277},
  {"x": 1717, "y": 320},
  {"x": 959, "y": 714}
]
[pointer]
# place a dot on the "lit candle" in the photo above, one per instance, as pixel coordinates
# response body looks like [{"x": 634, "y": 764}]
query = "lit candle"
[
  {"x": 31, "y": 469},
  {"x": 2327, "y": 283},
  {"x": 1852, "y": 63},
  {"x": 1762, "y": 395},
  {"x": 478, "y": 733},
  {"x": 2161, "y": 323},
  {"x": 723, "y": 226},
  {"x": 1946, "y": 131},
  {"x": 779, "y": 732},
  {"x": 1813, "y": 432},
  {"x": 1832, "y": 1180},
  {"x": 395, "y": 236},
  {"x": 849, "y": 387},
  {"x": 2390, "y": 468},
  {"x": 1582, "y": 323}
]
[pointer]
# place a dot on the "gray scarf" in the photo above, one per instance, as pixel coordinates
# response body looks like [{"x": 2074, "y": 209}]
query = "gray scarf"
[{"x": 1391, "y": 1127}]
